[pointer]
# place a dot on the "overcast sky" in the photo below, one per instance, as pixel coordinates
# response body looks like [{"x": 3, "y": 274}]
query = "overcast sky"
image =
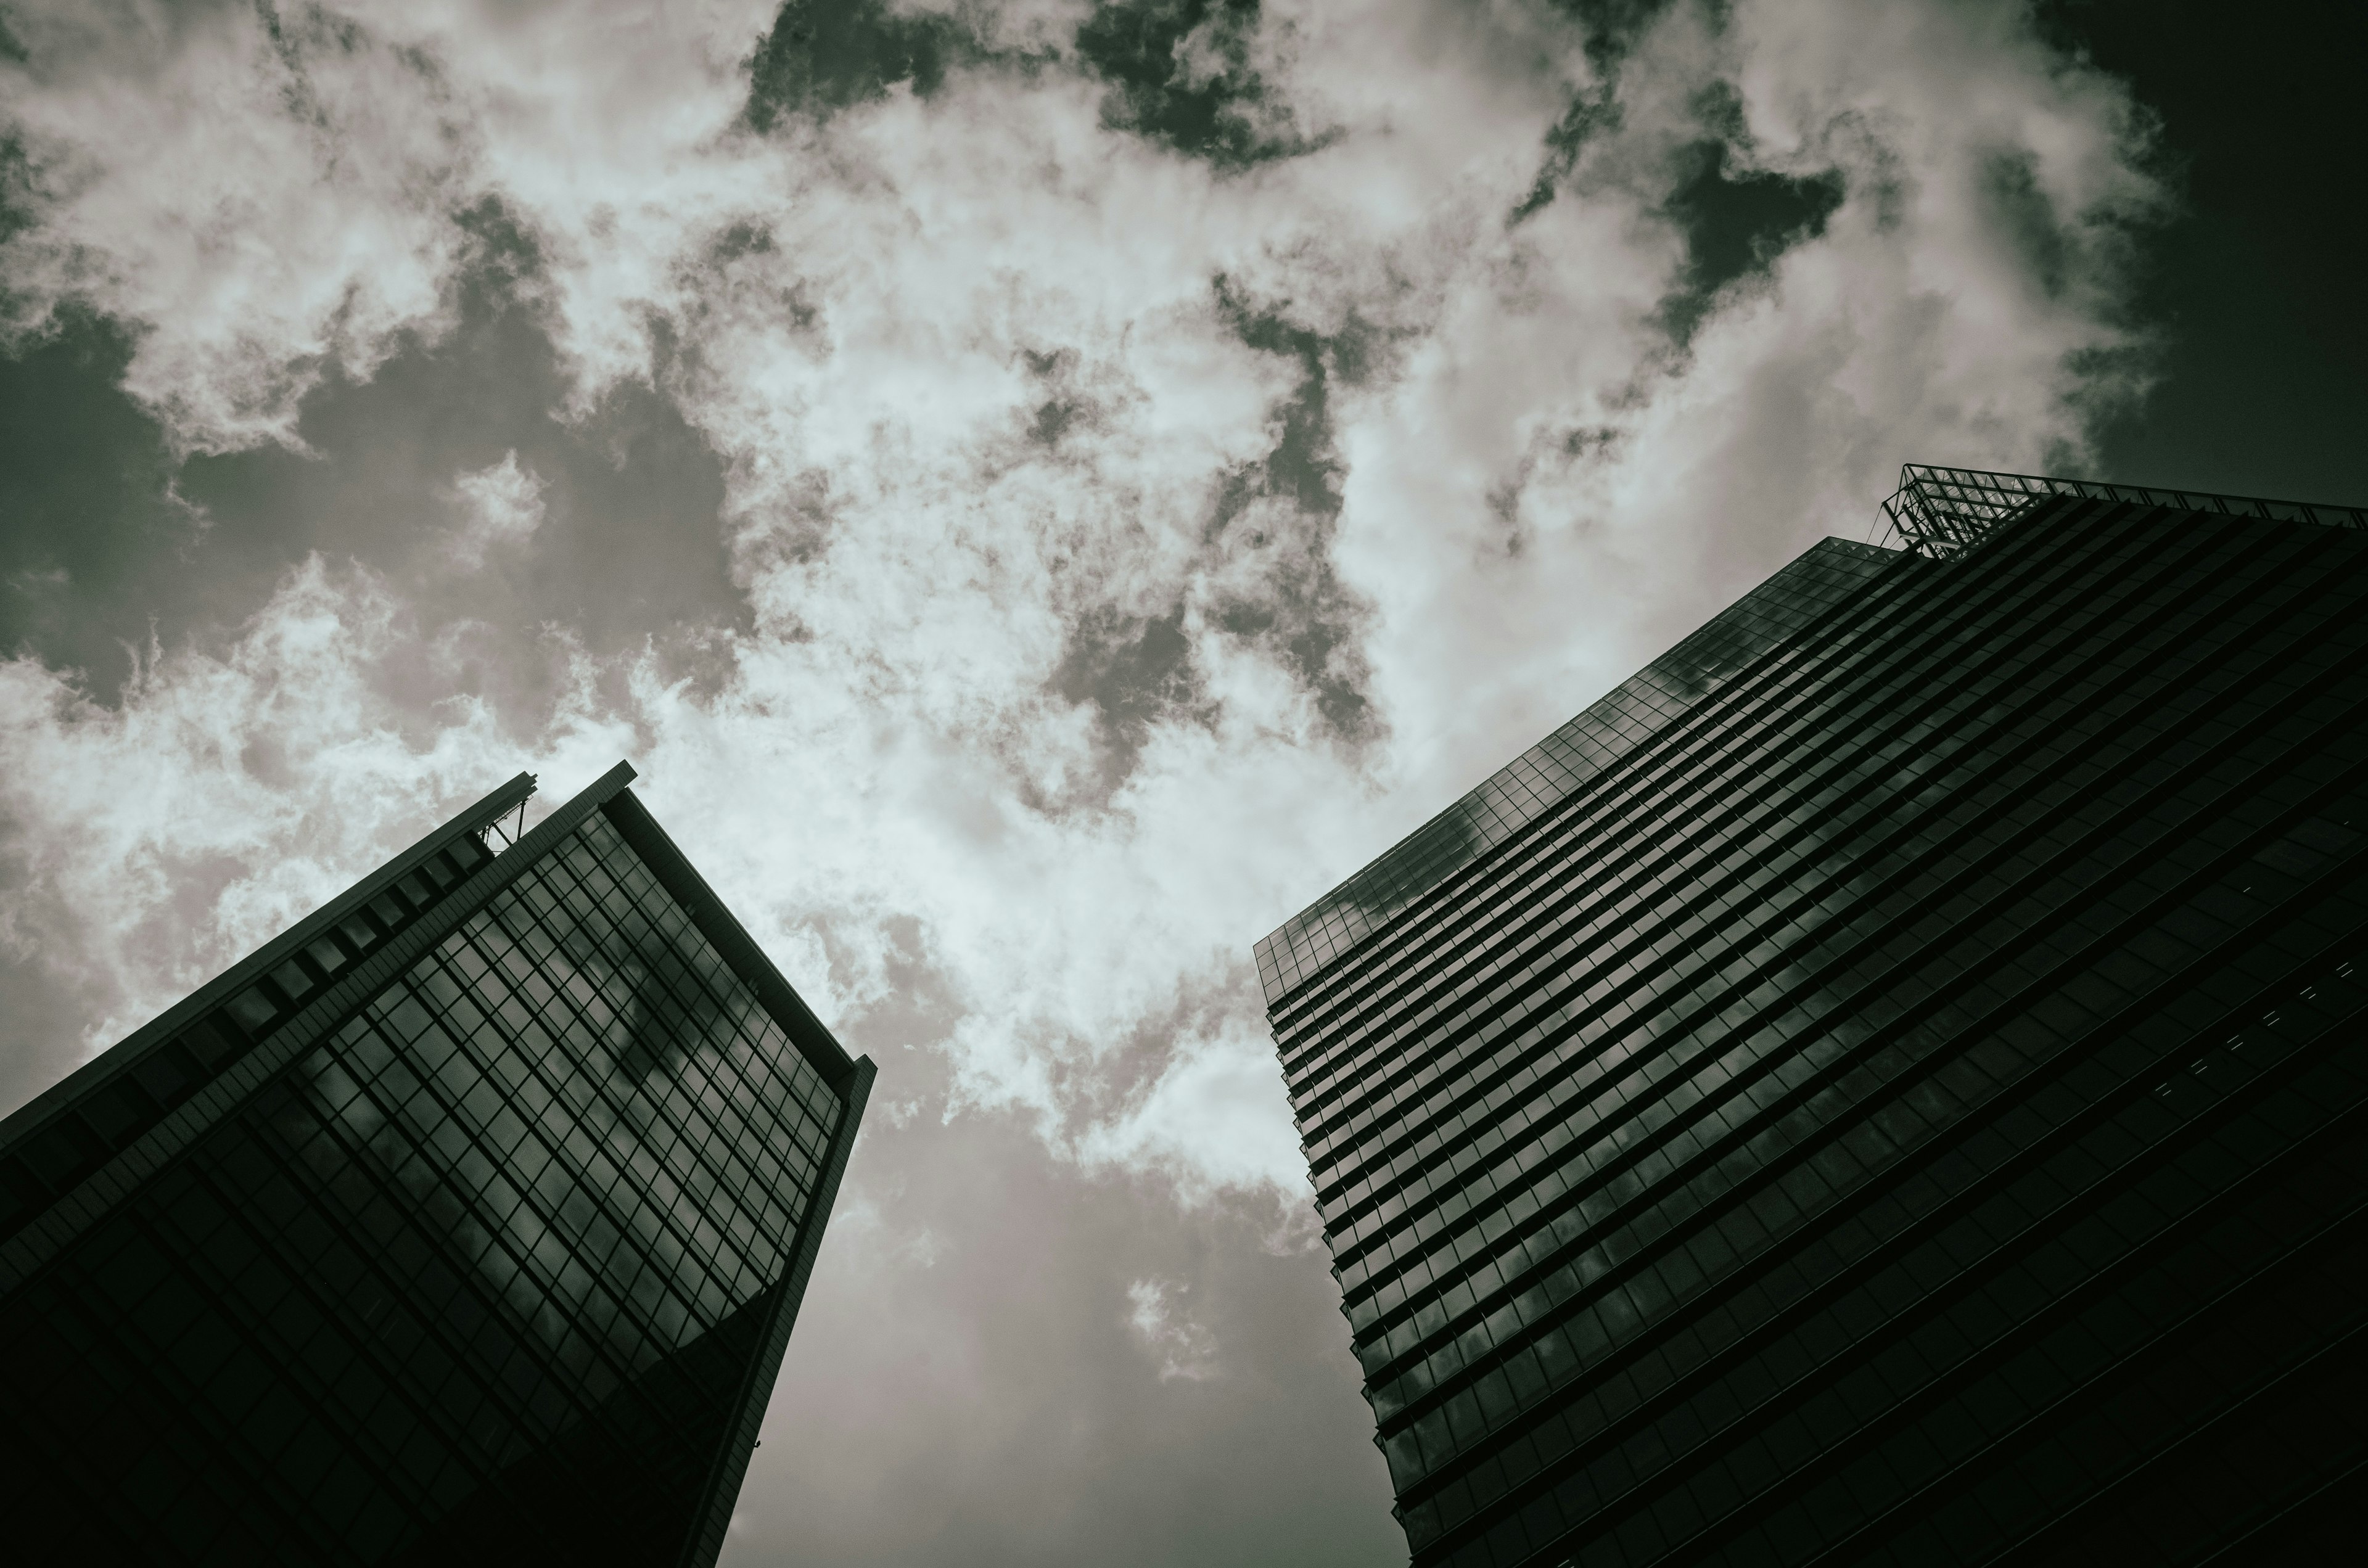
[{"x": 1040, "y": 491}]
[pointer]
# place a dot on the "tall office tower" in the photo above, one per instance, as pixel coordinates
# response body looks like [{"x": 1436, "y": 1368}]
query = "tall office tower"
[
  {"x": 463, "y": 1222},
  {"x": 1886, "y": 1083}
]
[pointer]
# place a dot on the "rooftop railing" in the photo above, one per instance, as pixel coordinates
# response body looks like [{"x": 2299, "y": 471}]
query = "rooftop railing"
[{"x": 1942, "y": 512}]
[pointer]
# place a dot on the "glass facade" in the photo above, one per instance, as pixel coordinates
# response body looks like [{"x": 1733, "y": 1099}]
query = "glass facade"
[
  {"x": 464, "y": 1223},
  {"x": 1908, "y": 1103}
]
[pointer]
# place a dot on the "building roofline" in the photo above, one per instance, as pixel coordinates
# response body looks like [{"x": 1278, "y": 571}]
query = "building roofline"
[
  {"x": 1470, "y": 830},
  {"x": 133, "y": 1048},
  {"x": 729, "y": 937},
  {"x": 1942, "y": 512}
]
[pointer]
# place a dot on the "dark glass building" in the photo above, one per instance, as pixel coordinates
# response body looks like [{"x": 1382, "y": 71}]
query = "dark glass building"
[
  {"x": 1886, "y": 1083},
  {"x": 463, "y": 1222}
]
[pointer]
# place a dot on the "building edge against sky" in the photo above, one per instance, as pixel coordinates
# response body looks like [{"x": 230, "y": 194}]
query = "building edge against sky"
[
  {"x": 1724, "y": 1110},
  {"x": 638, "y": 1148},
  {"x": 1936, "y": 512}
]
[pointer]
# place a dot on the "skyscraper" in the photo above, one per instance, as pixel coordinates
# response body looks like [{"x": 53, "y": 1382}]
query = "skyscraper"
[
  {"x": 464, "y": 1221},
  {"x": 1886, "y": 1083}
]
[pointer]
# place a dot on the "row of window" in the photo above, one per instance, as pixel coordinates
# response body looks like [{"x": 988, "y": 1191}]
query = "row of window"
[
  {"x": 1508, "y": 1266},
  {"x": 78, "y": 1140},
  {"x": 2099, "y": 1198},
  {"x": 1782, "y": 673},
  {"x": 485, "y": 1214},
  {"x": 1961, "y": 608},
  {"x": 1865, "y": 917},
  {"x": 2025, "y": 1341},
  {"x": 1838, "y": 696},
  {"x": 522, "y": 1171},
  {"x": 1576, "y": 1097},
  {"x": 1786, "y": 821},
  {"x": 1292, "y": 1025},
  {"x": 704, "y": 1192},
  {"x": 1573, "y": 754},
  {"x": 1874, "y": 977}
]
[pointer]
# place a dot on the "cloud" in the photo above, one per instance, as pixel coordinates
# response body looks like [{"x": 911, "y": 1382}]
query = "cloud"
[
  {"x": 501, "y": 505},
  {"x": 252, "y": 249},
  {"x": 1216, "y": 1117},
  {"x": 820, "y": 57},
  {"x": 226, "y": 796},
  {"x": 1197, "y": 77},
  {"x": 1166, "y": 452},
  {"x": 1180, "y": 1347}
]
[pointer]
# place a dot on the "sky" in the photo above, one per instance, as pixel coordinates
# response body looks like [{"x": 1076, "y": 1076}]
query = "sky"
[{"x": 1040, "y": 492}]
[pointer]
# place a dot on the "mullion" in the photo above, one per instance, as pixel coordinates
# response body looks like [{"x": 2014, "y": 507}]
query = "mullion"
[
  {"x": 668, "y": 1275},
  {"x": 431, "y": 1416},
  {"x": 1909, "y": 1411},
  {"x": 2111, "y": 1497},
  {"x": 135, "y": 1344},
  {"x": 1827, "y": 1074},
  {"x": 755, "y": 1117},
  {"x": 1656, "y": 792},
  {"x": 529, "y": 1195},
  {"x": 1816, "y": 626},
  {"x": 658, "y": 1110},
  {"x": 1801, "y": 591},
  {"x": 1727, "y": 882},
  {"x": 1793, "y": 718}
]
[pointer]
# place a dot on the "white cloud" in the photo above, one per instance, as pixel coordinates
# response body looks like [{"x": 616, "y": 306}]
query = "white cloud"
[
  {"x": 1178, "y": 1346},
  {"x": 224, "y": 797},
  {"x": 1216, "y": 1117},
  {"x": 500, "y": 507},
  {"x": 868, "y": 318},
  {"x": 263, "y": 209}
]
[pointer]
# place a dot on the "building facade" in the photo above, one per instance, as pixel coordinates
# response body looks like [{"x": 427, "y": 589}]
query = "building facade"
[
  {"x": 1886, "y": 1083},
  {"x": 464, "y": 1221}
]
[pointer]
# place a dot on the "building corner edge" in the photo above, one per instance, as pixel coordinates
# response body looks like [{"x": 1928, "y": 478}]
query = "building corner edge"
[{"x": 713, "y": 1516}]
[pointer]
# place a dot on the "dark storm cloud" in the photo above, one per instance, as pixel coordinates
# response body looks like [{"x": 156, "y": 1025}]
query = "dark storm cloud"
[
  {"x": 1179, "y": 73},
  {"x": 824, "y": 55}
]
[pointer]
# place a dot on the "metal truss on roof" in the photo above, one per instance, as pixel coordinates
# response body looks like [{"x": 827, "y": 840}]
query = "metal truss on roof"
[{"x": 1942, "y": 512}]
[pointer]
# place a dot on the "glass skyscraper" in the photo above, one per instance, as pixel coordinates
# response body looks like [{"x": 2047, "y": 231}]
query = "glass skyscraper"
[
  {"x": 1886, "y": 1083},
  {"x": 463, "y": 1222}
]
